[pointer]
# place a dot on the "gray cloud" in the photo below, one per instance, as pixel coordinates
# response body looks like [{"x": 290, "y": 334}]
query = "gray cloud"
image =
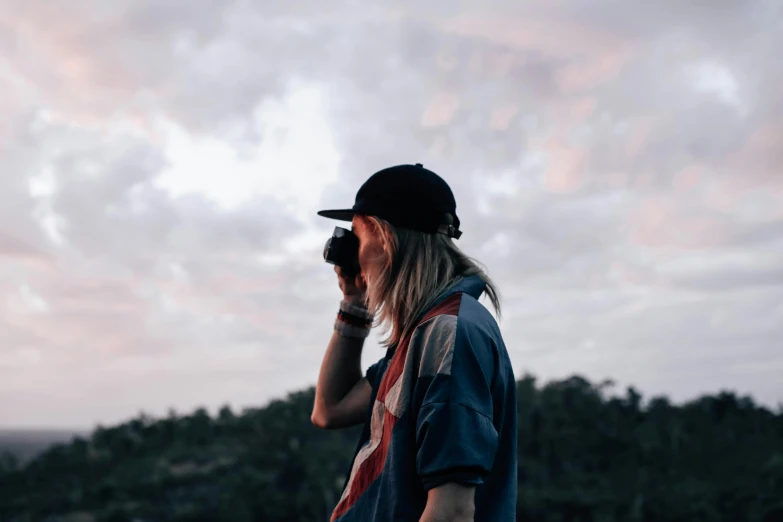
[{"x": 617, "y": 168}]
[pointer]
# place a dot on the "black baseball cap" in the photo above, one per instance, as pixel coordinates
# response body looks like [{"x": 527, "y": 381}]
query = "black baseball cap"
[{"x": 407, "y": 196}]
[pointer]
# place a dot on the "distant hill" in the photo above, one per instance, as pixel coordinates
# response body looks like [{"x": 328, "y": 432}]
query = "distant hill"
[
  {"x": 583, "y": 457},
  {"x": 26, "y": 444}
]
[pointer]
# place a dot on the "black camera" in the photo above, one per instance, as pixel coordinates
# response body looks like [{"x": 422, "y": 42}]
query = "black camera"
[{"x": 342, "y": 249}]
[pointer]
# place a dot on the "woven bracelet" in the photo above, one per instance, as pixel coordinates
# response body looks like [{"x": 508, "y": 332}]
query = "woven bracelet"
[{"x": 353, "y": 321}]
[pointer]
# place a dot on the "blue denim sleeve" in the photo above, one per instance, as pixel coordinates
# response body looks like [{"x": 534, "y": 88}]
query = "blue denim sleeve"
[{"x": 455, "y": 435}]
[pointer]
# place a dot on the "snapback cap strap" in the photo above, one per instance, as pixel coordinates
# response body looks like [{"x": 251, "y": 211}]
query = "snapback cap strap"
[
  {"x": 448, "y": 227},
  {"x": 450, "y": 231}
]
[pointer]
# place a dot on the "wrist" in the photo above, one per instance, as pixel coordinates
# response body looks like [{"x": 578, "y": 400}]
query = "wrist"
[
  {"x": 355, "y": 300},
  {"x": 356, "y": 307},
  {"x": 353, "y": 320}
]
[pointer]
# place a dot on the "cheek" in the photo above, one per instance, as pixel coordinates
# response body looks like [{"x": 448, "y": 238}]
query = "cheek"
[
  {"x": 363, "y": 257},
  {"x": 370, "y": 256}
]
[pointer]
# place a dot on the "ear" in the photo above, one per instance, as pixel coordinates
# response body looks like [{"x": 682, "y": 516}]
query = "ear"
[
  {"x": 364, "y": 223},
  {"x": 362, "y": 220}
]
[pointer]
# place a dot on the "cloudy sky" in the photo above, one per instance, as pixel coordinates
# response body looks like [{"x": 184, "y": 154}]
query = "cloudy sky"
[{"x": 618, "y": 167}]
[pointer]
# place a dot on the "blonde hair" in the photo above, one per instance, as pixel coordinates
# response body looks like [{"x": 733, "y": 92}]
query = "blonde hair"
[{"x": 416, "y": 268}]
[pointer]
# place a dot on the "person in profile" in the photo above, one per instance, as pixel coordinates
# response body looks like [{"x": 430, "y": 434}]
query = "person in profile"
[{"x": 439, "y": 409}]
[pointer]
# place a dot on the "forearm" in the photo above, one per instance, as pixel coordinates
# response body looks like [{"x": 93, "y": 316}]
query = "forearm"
[
  {"x": 341, "y": 369},
  {"x": 435, "y": 517},
  {"x": 451, "y": 502}
]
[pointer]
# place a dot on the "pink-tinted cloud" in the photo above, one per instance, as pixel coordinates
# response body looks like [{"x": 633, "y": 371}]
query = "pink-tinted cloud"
[{"x": 631, "y": 215}]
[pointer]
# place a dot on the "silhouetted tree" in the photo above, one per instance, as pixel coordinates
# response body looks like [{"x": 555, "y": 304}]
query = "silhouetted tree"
[{"x": 583, "y": 456}]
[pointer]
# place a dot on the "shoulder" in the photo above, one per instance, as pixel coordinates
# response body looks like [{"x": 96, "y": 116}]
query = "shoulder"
[
  {"x": 458, "y": 315},
  {"x": 475, "y": 316},
  {"x": 433, "y": 342},
  {"x": 464, "y": 327}
]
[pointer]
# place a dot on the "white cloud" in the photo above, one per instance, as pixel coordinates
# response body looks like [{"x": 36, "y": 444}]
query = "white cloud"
[
  {"x": 32, "y": 301},
  {"x": 716, "y": 79},
  {"x": 293, "y": 163},
  {"x": 616, "y": 166}
]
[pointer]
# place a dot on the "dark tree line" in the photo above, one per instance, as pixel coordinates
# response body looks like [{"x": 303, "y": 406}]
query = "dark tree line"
[{"x": 583, "y": 456}]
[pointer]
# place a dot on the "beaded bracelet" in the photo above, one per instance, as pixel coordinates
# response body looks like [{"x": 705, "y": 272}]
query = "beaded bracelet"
[{"x": 353, "y": 321}]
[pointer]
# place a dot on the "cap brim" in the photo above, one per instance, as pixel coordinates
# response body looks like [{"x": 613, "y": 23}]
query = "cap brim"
[{"x": 341, "y": 215}]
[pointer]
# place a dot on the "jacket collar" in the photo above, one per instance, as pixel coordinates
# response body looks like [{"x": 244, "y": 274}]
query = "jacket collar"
[{"x": 473, "y": 285}]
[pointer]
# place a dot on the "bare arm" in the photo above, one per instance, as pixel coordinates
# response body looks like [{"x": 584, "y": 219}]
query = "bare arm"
[
  {"x": 342, "y": 394},
  {"x": 450, "y": 502}
]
